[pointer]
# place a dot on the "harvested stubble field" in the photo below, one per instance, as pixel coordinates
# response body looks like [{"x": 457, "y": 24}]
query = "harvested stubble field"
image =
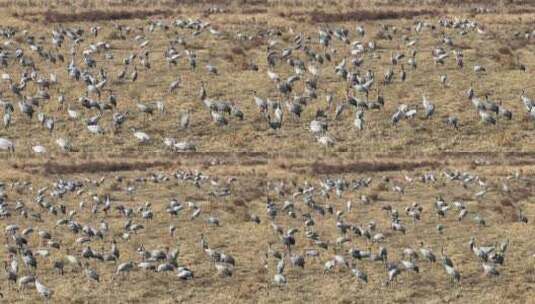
[
  {"x": 498, "y": 50},
  {"x": 237, "y": 235},
  {"x": 242, "y": 172}
]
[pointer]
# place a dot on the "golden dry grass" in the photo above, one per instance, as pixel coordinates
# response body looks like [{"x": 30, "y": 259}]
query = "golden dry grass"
[
  {"x": 257, "y": 155},
  {"x": 503, "y": 81},
  {"x": 247, "y": 241}
]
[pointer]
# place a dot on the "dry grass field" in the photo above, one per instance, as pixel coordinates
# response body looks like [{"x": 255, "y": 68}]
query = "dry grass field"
[
  {"x": 248, "y": 242},
  {"x": 497, "y": 51},
  {"x": 245, "y": 161}
]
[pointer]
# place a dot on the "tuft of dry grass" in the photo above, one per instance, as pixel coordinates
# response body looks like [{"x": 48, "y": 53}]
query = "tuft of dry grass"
[{"x": 254, "y": 10}]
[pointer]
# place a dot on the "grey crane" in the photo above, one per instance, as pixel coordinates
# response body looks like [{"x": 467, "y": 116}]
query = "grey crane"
[
  {"x": 490, "y": 269},
  {"x": 184, "y": 273},
  {"x": 427, "y": 253},
  {"x": 452, "y": 121},
  {"x": 6, "y": 145},
  {"x": 295, "y": 108},
  {"x": 393, "y": 272},
  {"x": 134, "y": 74},
  {"x": 486, "y": 117},
  {"x": 359, "y": 275},
  {"x": 505, "y": 113},
  {"x": 184, "y": 120},
  {"x": 146, "y": 109},
  {"x": 428, "y": 107},
  {"x": 359, "y": 120},
  {"x": 521, "y": 217},
  {"x": 124, "y": 267},
  {"x": 173, "y": 86},
  {"x": 261, "y": 104},
  {"x": 527, "y": 101},
  {"x": 26, "y": 109},
  {"x": 43, "y": 291},
  {"x": 91, "y": 274},
  {"x": 297, "y": 261}
]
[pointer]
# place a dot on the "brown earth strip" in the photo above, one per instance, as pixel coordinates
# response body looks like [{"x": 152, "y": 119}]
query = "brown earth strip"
[{"x": 361, "y": 15}]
